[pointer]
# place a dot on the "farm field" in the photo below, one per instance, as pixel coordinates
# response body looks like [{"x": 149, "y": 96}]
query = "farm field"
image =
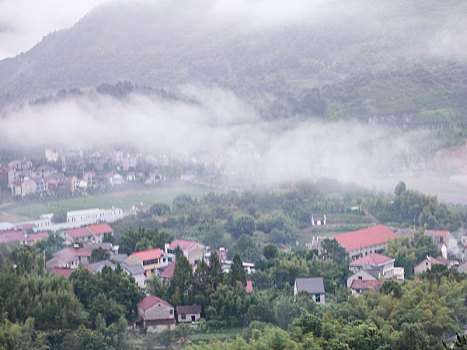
[{"x": 124, "y": 199}]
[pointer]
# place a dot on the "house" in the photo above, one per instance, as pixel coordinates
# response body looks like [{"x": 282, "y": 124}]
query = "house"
[
  {"x": 426, "y": 264},
  {"x": 33, "y": 238},
  {"x": 358, "y": 287},
  {"x": 150, "y": 260},
  {"x": 249, "y": 267},
  {"x": 100, "y": 230},
  {"x": 75, "y": 235},
  {"x": 366, "y": 241},
  {"x": 190, "y": 313},
  {"x": 62, "y": 271},
  {"x": 318, "y": 220},
  {"x": 168, "y": 271},
  {"x": 140, "y": 208},
  {"x": 70, "y": 258},
  {"x": 87, "y": 234},
  {"x": 314, "y": 286},
  {"x": 363, "y": 275},
  {"x": 155, "y": 315},
  {"x": 137, "y": 272},
  {"x": 374, "y": 261},
  {"x": 20, "y": 236},
  {"x": 98, "y": 266},
  {"x": 192, "y": 250},
  {"x": 441, "y": 239},
  {"x": 439, "y": 236}
]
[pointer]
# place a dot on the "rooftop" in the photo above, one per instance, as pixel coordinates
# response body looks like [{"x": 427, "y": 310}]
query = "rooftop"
[
  {"x": 12, "y": 235},
  {"x": 373, "y": 259},
  {"x": 150, "y": 301},
  {"x": 78, "y": 232},
  {"x": 148, "y": 254},
  {"x": 189, "y": 309},
  {"x": 312, "y": 285},
  {"x": 168, "y": 271},
  {"x": 100, "y": 229},
  {"x": 365, "y": 238},
  {"x": 182, "y": 243},
  {"x": 438, "y": 233},
  {"x": 366, "y": 284},
  {"x": 62, "y": 271}
]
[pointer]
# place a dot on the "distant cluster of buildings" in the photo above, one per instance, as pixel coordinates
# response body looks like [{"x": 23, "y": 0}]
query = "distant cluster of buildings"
[
  {"x": 77, "y": 172},
  {"x": 370, "y": 268}
]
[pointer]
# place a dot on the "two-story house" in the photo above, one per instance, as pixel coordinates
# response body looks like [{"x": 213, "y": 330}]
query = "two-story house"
[
  {"x": 192, "y": 250},
  {"x": 155, "y": 315},
  {"x": 374, "y": 261},
  {"x": 150, "y": 260}
]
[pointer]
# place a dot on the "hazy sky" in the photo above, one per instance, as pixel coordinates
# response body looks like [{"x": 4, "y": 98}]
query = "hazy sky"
[{"x": 23, "y": 23}]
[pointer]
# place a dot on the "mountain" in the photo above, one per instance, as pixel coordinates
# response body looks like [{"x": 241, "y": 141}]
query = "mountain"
[{"x": 359, "y": 59}]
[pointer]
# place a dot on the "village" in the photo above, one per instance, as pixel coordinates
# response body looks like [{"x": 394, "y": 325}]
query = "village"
[
  {"x": 88, "y": 238},
  {"x": 59, "y": 174}
]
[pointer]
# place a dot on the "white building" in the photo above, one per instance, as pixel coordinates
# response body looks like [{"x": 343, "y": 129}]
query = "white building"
[{"x": 92, "y": 216}]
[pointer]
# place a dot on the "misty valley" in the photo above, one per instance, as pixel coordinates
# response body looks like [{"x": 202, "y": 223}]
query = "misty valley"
[{"x": 233, "y": 175}]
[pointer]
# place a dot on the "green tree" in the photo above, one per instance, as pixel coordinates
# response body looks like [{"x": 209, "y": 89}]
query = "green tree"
[
  {"x": 99, "y": 254},
  {"x": 215, "y": 270},
  {"x": 333, "y": 251},
  {"x": 400, "y": 188},
  {"x": 270, "y": 251},
  {"x": 155, "y": 287},
  {"x": 237, "y": 271},
  {"x": 182, "y": 280}
]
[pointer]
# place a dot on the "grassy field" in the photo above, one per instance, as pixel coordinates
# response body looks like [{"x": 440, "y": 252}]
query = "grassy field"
[{"x": 123, "y": 200}]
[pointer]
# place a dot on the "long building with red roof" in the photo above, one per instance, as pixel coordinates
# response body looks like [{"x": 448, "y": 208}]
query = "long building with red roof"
[{"x": 366, "y": 241}]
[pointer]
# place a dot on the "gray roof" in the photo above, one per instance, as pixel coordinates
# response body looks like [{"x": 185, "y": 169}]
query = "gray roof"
[
  {"x": 98, "y": 266},
  {"x": 118, "y": 257},
  {"x": 374, "y": 271},
  {"x": 312, "y": 285},
  {"x": 133, "y": 269},
  {"x": 106, "y": 246}
]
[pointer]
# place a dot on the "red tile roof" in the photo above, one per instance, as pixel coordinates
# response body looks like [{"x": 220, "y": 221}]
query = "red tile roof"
[
  {"x": 366, "y": 284},
  {"x": 365, "y": 238},
  {"x": 83, "y": 251},
  {"x": 438, "y": 233},
  {"x": 434, "y": 261},
  {"x": 78, "y": 232},
  {"x": 150, "y": 301},
  {"x": 168, "y": 271},
  {"x": 62, "y": 271},
  {"x": 12, "y": 235},
  {"x": 149, "y": 254},
  {"x": 100, "y": 229},
  {"x": 373, "y": 259},
  {"x": 182, "y": 243},
  {"x": 34, "y": 237}
]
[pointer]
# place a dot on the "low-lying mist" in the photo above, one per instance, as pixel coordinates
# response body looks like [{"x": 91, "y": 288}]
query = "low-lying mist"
[{"x": 212, "y": 125}]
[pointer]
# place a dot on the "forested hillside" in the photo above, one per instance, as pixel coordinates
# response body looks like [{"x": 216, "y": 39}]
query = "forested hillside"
[{"x": 354, "y": 60}]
